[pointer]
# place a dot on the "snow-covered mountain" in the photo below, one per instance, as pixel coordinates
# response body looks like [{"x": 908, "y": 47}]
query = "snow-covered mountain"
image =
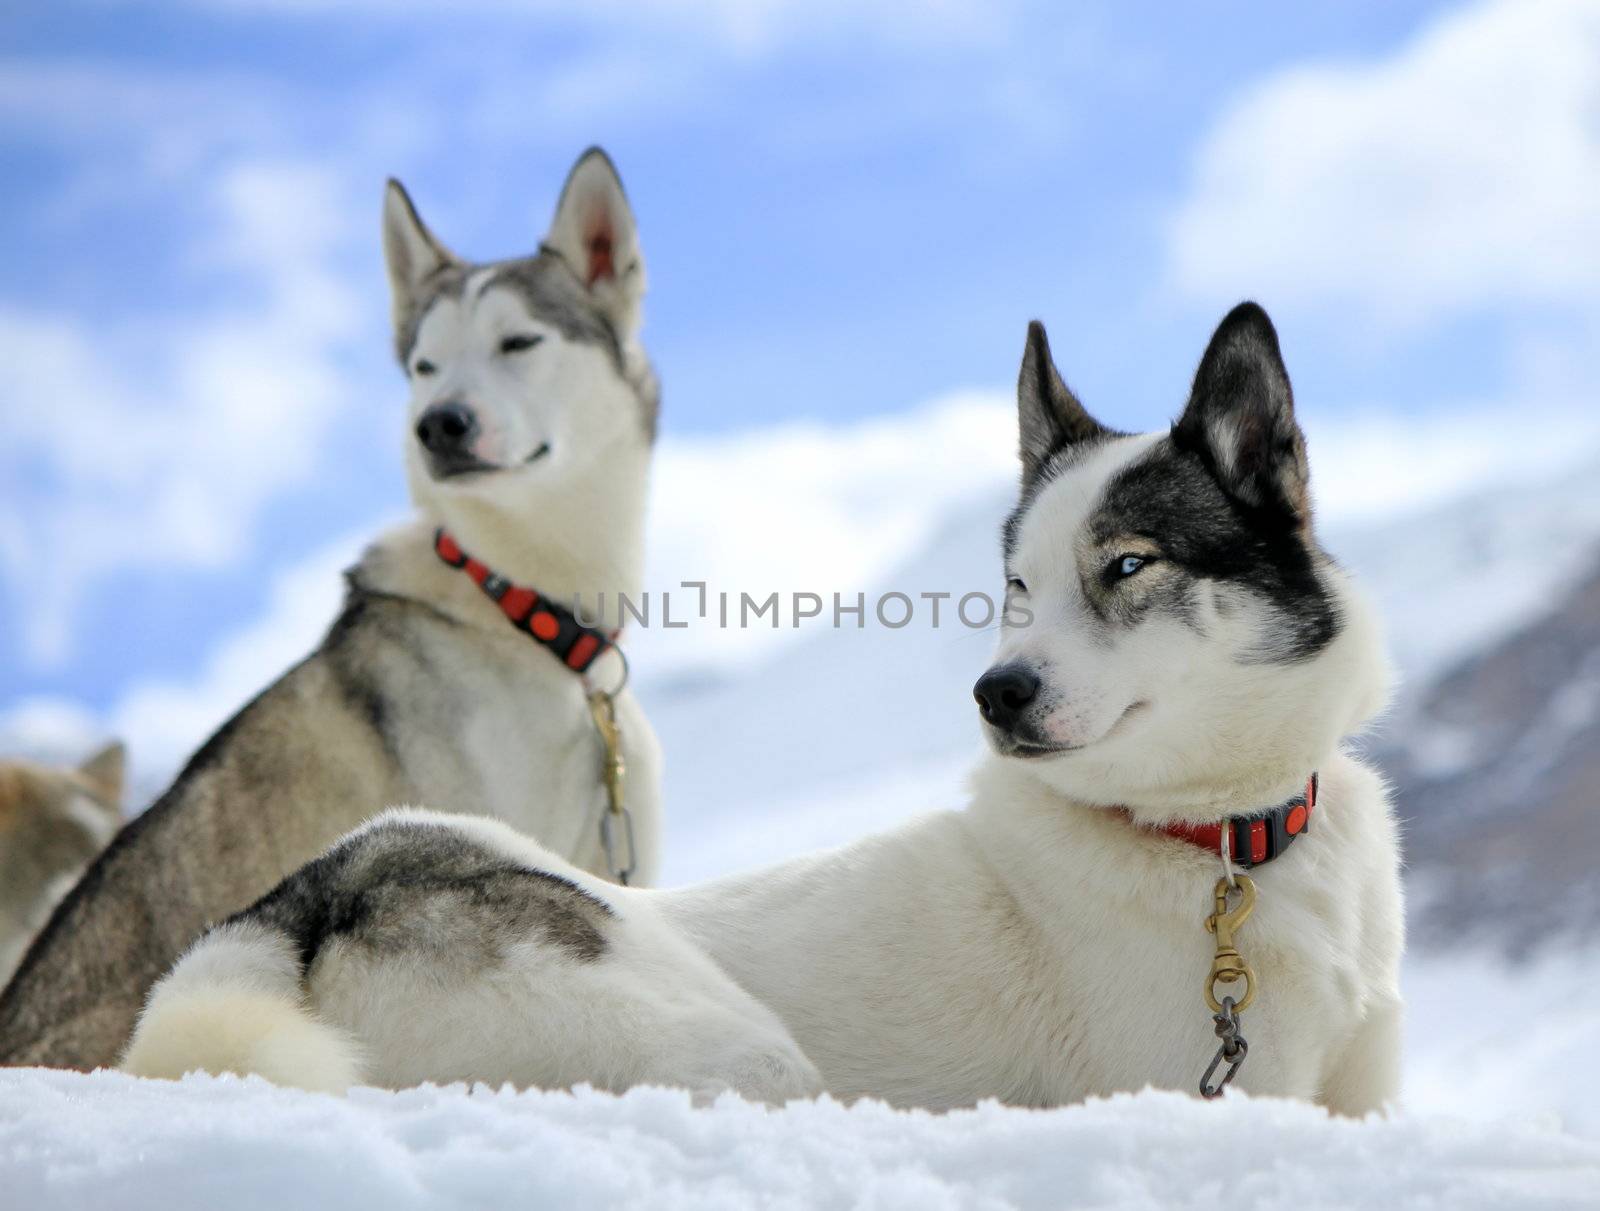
[
  {"x": 1496, "y": 765},
  {"x": 1492, "y": 604}
]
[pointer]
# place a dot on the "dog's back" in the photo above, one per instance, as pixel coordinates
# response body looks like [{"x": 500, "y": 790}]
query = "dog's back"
[
  {"x": 290, "y": 772},
  {"x": 52, "y": 824}
]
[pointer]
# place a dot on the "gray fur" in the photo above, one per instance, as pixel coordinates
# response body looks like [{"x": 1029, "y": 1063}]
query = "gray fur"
[
  {"x": 432, "y": 894},
  {"x": 446, "y": 282},
  {"x": 551, "y": 294},
  {"x": 366, "y": 721}
]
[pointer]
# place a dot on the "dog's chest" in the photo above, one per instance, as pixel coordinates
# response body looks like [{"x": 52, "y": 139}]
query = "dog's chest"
[
  {"x": 514, "y": 738},
  {"x": 1136, "y": 1012}
]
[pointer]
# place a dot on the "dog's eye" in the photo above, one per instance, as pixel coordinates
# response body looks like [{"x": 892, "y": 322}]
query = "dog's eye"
[
  {"x": 1124, "y": 566},
  {"x": 1015, "y": 584},
  {"x": 519, "y": 341},
  {"x": 424, "y": 367}
]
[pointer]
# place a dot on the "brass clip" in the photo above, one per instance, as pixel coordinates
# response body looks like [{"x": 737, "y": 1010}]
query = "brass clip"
[
  {"x": 604, "y": 709},
  {"x": 1229, "y": 966}
]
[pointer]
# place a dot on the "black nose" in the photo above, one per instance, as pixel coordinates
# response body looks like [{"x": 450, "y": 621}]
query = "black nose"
[
  {"x": 447, "y": 428},
  {"x": 1004, "y": 693}
]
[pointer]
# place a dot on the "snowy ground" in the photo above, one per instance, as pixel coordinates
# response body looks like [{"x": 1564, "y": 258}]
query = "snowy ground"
[
  {"x": 69, "y": 1141},
  {"x": 1499, "y": 1115}
]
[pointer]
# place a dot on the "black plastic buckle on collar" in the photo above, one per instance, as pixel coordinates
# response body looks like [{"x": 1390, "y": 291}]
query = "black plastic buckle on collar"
[{"x": 1275, "y": 822}]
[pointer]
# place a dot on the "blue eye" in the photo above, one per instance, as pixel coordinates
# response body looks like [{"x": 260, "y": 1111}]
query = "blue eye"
[{"x": 1127, "y": 565}]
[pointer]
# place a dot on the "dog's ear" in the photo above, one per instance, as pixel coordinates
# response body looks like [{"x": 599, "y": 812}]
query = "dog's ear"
[
  {"x": 1240, "y": 417},
  {"x": 593, "y": 232},
  {"x": 412, "y": 252},
  {"x": 1049, "y": 416},
  {"x": 104, "y": 771}
]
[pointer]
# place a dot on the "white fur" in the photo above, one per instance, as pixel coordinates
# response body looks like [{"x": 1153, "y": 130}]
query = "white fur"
[
  {"x": 1035, "y": 948},
  {"x": 570, "y": 525},
  {"x": 234, "y": 1004},
  {"x": 654, "y": 1009}
]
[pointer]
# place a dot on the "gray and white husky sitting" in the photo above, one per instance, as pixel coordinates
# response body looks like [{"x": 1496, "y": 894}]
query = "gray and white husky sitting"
[
  {"x": 1193, "y": 660},
  {"x": 530, "y": 429}
]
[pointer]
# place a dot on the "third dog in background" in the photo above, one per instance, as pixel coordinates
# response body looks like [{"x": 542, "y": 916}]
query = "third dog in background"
[{"x": 52, "y": 824}]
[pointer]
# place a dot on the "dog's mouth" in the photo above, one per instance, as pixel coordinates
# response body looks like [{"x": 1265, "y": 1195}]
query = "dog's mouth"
[
  {"x": 466, "y": 466},
  {"x": 1038, "y": 752},
  {"x": 1008, "y": 745}
]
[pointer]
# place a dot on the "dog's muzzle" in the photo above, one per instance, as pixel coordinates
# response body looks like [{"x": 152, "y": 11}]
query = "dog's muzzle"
[{"x": 446, "y": 431}]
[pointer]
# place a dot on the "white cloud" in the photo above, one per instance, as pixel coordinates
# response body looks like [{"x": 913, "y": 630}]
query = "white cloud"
[
  {"x": 1461, "y": 173},
  {"x": 151, "y": 442},
  {"x": 812, "y": 508}
]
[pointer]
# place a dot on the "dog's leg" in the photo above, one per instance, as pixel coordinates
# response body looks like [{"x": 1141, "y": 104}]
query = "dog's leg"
[{"x": 1365, "y": 1074}]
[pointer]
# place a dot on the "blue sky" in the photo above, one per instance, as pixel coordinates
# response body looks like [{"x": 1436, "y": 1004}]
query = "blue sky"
[{"x": 847, "y": 210}]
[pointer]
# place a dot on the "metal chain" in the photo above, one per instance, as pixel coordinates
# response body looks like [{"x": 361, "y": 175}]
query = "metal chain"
[
  {"x": 1232, "y": 1052},
  {"x": 1228, "y": 967}
]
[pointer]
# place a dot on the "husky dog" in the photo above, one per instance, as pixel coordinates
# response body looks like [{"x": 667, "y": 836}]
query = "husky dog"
[
  {"x": 532, "y": 414},
  {"x": 52, "y": 822},
  {"x": 1183, "y": 659}
]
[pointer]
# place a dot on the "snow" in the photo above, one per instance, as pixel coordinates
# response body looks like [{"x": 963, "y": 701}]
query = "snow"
[
  {"x": 1491, "y": 1037},
  {"x": 71, "y": 1141}
]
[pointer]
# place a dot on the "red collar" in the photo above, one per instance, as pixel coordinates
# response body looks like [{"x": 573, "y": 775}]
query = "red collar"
[
  {"x": 545, "y": 621},
  {"x": 1258, "y": 838}
]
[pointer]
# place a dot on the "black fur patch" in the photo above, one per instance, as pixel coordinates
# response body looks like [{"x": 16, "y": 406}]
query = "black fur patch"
[
  {"x": 1240, "y": 416},
  {"x": 1050, "y": 418},
  {"x": 1171, "y": 497},
  {"x": 407, "y": 886}
]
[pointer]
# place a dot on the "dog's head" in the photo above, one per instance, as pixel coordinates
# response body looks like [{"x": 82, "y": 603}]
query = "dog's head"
[
  {"x": 528, "y": 383},
  {"x": 1174, "y": 629},
  {"x": 53, "y": 821}
]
